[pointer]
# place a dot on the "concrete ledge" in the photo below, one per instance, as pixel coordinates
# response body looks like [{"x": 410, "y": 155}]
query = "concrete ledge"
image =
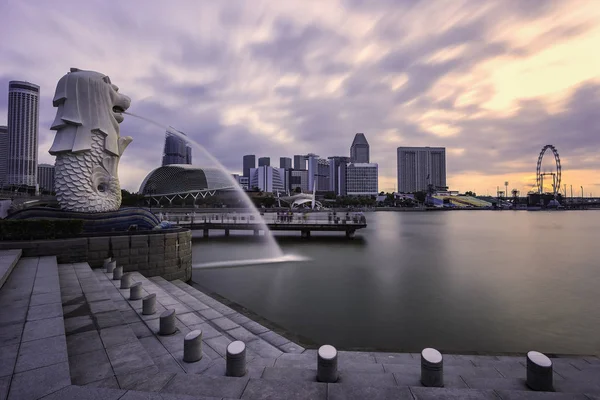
[
  {"x": 8, "y": 260},
  {"x": 155, "y": 253}
]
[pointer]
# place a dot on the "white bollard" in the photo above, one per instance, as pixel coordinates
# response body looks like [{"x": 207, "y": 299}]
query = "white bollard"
[
  {"x": 135, "y": 291},
  {"x": 327, "y": 364},
  {"x": 167, "y": 323},
  {"x": 125, "y": 281},
  {"x": 110, "y": 267},
  {"x": 236, "y": 359},
  {"x": 106, "y": 262},
  {"x": 432, "y": 368},
  {"x": 539, "y": 372},
  {"x": 192, "y": 346},
  {"x": 149, "y": 304},
  {"x": 117, "y": 273}
]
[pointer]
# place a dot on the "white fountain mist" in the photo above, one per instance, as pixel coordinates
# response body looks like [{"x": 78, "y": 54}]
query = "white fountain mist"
[{"x": 274, "y": 255}]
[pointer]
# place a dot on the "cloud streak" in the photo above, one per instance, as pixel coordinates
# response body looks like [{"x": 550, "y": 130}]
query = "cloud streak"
[{"x": 492, "y": 81}]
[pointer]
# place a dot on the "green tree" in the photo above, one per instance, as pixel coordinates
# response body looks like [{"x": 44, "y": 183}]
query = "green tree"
[
  {"x": 420, "y": 196},
  {"x": 298, "y": 190},
  {"x": 470, "y": 193}
]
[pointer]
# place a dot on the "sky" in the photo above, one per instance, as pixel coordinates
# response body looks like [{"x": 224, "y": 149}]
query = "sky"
[{"x": 493, "y": 82}]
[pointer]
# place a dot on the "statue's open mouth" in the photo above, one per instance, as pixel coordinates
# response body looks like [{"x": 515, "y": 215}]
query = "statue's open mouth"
[{"x": 117, "y": 110}]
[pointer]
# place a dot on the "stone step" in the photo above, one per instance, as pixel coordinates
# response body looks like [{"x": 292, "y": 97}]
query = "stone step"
[
  {"x": 272, "y": 338},
  {"x": 33, "y": 354},
  {"x": 103, "y": 346},
  {"x": 167, "y": 352},
  {"x": 257, "y": 345},
  {"x": 8, "y": 261}
]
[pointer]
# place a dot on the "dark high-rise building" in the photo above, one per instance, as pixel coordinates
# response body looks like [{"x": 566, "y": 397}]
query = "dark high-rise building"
[
  {"x": 285, "y": 162},
  {"x": 249, "y": 162},
  {"x": 3, "y": 154},
  {"x": 46, "y": 177},
  {"x": 299, "y": 162},
  {"x": 337, "y": 174},
  {"x": 176, "y": 150},
  {"x": 23, "y": 122},
  {"x": 359, "y": 150},
  {"x": 323, "y": 178},
  {"x": 264, "y": 162},
  {"x": 419, "y": 167}
]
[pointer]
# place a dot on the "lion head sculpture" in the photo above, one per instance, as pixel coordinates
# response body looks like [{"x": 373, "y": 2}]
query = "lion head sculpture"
[
  {"x": 87, "y": 101},
  {"x": 87, "y": 144}
]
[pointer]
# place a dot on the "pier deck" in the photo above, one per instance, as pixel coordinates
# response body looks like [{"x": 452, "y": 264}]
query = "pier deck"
[{"x": 303, "y": 222}]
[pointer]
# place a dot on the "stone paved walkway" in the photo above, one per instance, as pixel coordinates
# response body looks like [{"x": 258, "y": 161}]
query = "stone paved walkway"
[{"x": 69, "y": 332}]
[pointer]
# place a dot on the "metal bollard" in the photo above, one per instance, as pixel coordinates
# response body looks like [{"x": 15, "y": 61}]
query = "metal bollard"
[
  {"x": 135, "y": 291},
  {"x": 125, "y": 281},
  {"x": 149, "y": 304},
  {"x": 106, "y": 262},
  {"x": 192, "y": 346},
  {"x": 167, "y": 323},
  {"x": 432, "y": 368},
  {"x": 117, "y": 273},
  {"x": 110, "y": 267},
  {"x": 539, "y": 372},
  {"x": 327, "y": 364},
  {"x": 236, "y": 359}
]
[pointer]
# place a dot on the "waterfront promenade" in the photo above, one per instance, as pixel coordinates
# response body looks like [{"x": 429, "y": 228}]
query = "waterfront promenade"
[
  {"x": 303, "y": 222},
  {"x": 70, "y": 332}
]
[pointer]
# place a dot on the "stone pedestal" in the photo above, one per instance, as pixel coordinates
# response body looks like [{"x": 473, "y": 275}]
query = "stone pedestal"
[
  {"x": 539, "y": 372},
  {"x": 110, "y": 267},
  {"x": 236, "y": 359},
  {"x": 192, "y": 346},
  {"x": 106, "y": 262},
  {"x": 117, "y": 273},
  {"x": 149, "y": 304},
  {"x": 135, "y": 291},
  {"x": 327, "y": 364},
  {"x": 167, "y": 323},
  {"x": 125, "y": 281},
  {"x": 432, "y": 368}
]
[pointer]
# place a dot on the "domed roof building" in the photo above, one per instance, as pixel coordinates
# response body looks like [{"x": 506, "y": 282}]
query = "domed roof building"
[{"x": 180, "y": 179}]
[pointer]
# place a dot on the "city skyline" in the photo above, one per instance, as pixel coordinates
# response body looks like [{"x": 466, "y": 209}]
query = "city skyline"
[{"x": 241, "y": 80}]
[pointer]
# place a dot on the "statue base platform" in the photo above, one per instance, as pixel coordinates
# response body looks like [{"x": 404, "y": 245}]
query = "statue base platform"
[{"x": 124, "y": 219}]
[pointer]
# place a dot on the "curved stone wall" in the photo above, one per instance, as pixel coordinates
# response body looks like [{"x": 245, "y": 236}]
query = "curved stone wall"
[{"x": 152, "y": 253}]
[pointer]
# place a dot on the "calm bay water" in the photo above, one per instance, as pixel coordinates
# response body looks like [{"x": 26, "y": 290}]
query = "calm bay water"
[{"x": 463, "y": 281}]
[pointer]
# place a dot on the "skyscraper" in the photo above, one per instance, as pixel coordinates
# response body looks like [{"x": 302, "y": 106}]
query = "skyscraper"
[
  {"x": 312, "y": 169},
  {"x": 337, "y": 174},
  {"x": 299, "y": 179},
  {"x": 299, "y": 162},
  {"x": 249, "y": 162},
  {"x": 176, "y": 150},
  {"x": 23, "y": 121},
  {"x": 268, "y": 179},
  {"x": 46, "y": 177},
  {"x": 3, "y": 154},
  {"x": 285, "y": 162},
  {"x": 420, "y": 166},
  {"x": 264, "y": 162},
  {"x": 323, "y": 181},
  {"x": 362, "y": 179},
  {"x": 359, "y": 150}
]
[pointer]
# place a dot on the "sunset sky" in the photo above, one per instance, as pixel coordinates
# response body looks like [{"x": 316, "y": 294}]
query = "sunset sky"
[{"x": 493, "y": 82}]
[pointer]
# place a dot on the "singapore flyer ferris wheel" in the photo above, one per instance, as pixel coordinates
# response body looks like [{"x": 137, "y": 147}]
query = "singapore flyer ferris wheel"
[{"x": 554, "y": 173}]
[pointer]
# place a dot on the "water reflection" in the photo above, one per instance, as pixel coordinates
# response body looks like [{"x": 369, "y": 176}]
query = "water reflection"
[{"x": 460, "y": 281}]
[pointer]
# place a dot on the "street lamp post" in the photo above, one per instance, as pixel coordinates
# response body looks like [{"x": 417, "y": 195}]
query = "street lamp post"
[{"x": 582, "y": 194}]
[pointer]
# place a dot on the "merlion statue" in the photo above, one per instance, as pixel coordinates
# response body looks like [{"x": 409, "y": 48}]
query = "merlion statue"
[{"x": 87, "y": 144}]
